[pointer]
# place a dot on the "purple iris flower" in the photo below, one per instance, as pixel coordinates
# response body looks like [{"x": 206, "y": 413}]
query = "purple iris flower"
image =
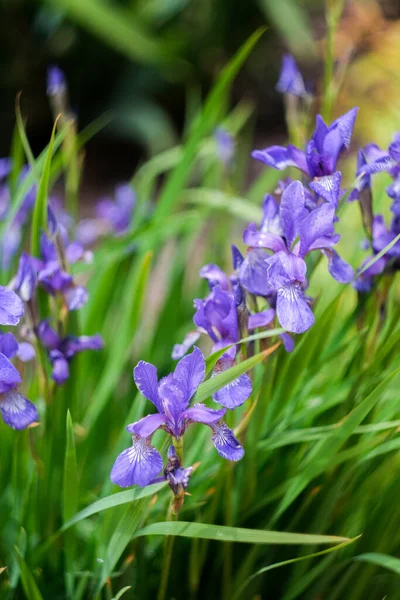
[
  {"x": 290, "y": 231},
  {"x": 112, "y": 216},
  {"x": 141, "y": 463},
  {"x": 62, "y": 350},
  {"x": 290, "y": 78},
  {"x": 225, "y": 145},
  {"x": 17, "y": 411},
  {"x": 56, "y": 82},
  {"x": 11, "y": 307},
  {"x": 48, "y": 273},
  {"x": 322, "y": 152}
]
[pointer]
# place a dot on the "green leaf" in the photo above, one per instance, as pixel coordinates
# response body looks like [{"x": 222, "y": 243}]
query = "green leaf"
[
  {"x": 122, "y": 592},
  {"x": 212, "y": 385},
  {"x": 222, "y": 533},
  {"x": 70, "y": 499},
  {"x": 24, "y": 138},
  {"x": 215, "y": 356},
  {"x": 381, "y": 560},
  {"x": 118, "y": 27},
  {"x": 292, "y": 22},
  {"x": 71, "y": 481},
  {"x": 218, "y": 200},
  {"x": 325, "y": 450},
  {"x": 29, "y": 584},
  {"x": 288, "y": 562},
  {"x": 202, "y": 127},
  {"x": 39, "y": 220},
  {"x": 128, "y": 321}
]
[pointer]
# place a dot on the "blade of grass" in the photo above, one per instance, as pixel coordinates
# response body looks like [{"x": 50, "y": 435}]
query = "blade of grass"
[
  {"x": 70, "y": 501},
  {"x": 209, "y": 387},
  {"x": 381, "y": 560},
  {"x": 29, "y": 584},
  {"x": 222, "y": 533},
  {"x": 129, "y": 318}
]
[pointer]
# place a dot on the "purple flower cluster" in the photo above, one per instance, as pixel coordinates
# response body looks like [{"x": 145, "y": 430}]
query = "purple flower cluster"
[
  {"x": 372, "y": 160},
  {"x": 16, "y": 410},
  {"x": 141, "y": 463}
]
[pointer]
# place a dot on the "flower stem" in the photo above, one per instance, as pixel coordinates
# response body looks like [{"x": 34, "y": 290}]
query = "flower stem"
[
  {"x": 333, "y": 11},
  {"x": 169, "y": 546}
]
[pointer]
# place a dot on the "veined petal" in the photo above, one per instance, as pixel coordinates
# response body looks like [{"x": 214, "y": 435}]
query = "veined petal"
[
  {"x": 138, "y": 465},
  {"x": 225, "y": 442},
  {"x": 328, "y": 187},
  {"x": 17, "y": 411},
  {"x": 147, "y": 426},
  {"x": 9, "y": 376},
  {"x": 146, "y": 379},
  {"x": 292, "y": 309},
  {"x": 11, "y": 307}
]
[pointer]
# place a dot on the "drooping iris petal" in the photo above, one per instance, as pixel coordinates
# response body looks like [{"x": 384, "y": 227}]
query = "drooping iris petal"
[
  {"x": 253, "y": 273},
  {"x": 215, "y": 276},
  {"x": 318, "y": 223},
  {"x": 292, "y": 210},
  {"x": 84, "y": 342},
  {"x": 138, "y": 465},
  {"x": 180, "y": 350},
  {"x": 225, "y": 442},
  {"x": 48, "y": 336},
  {"x": 292, "y": 309},
  {"x": 147, "y": 426},
  {"x": 328, "y": 187},
  {"x": 190, "y": 372},
  {"x": 200, "y": 413},
  {"x": 261, "y": 319},
  {"x": 17, "y": 411},
  {"x": 25, "y": 280},
  {"x": 9, "y": 376},
  {"x": 276, "y": 157},
  {"x": 60, "y": 372},
  {"x": 235, "y": 393},
  {"x": 8, "y": 345},
  {"x": 290, "y": 79},
  {"x": 146, "y": 379},
  {"x": 283, "y": 268},
  {"x": 288, "y": 342},
  {"x": 11, "y": 307},
  {"x": 338, "y": 268}
]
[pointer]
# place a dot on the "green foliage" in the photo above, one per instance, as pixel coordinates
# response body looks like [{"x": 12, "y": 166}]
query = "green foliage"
[{"x": 320, "y": 431}]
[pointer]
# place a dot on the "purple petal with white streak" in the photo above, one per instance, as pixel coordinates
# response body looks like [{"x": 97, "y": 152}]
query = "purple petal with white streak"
[
  {"x": 225, "y": 442},
  {"x": 17, "y": 411},
  {"x": 138, "y": 465}
]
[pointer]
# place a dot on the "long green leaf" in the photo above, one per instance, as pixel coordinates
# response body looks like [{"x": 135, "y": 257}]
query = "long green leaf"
[
  {"x": 128, "y": 321},
  {"x": 208, "y": 119},
  {"x": 209, "y": 387},
  {"x": 218, "y": 200},
  {"x": 70, "y": 499},
  {"x": 29, "y": 584},
  {"x": 222, "y": 533},
  {"x": 381, "y": 560},
  {"x": 39, "y": 221},
  {"x": 288, "y": 562}
]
